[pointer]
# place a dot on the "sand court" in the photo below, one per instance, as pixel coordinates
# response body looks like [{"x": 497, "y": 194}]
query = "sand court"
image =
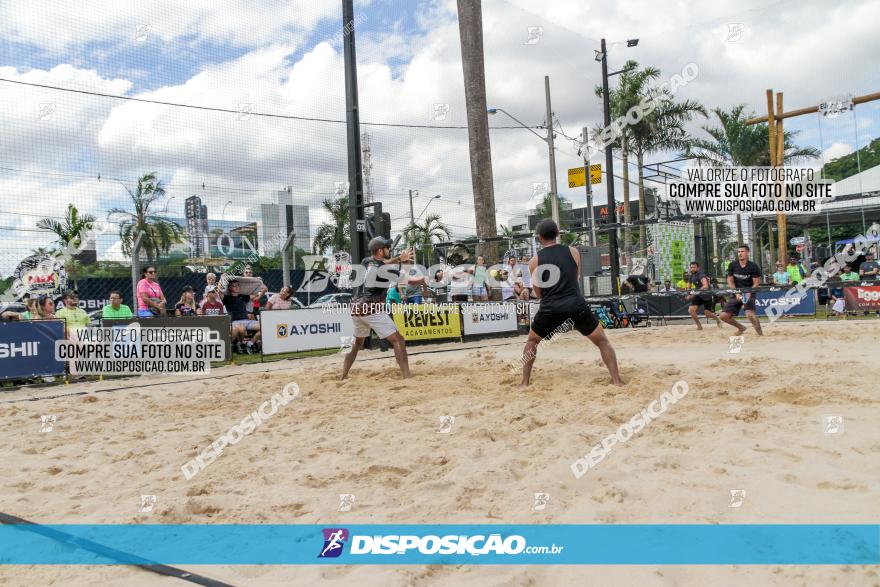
[{"x": 754, "y": 423}]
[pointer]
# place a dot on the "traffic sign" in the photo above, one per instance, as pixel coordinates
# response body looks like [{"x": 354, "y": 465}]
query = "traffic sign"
[
  {"x": 361, "y": 225},
  {"x": 576, "y": 176}
]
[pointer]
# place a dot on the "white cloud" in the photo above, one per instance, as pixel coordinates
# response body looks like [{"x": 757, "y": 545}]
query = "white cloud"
[{"x": 836, "y": 150}]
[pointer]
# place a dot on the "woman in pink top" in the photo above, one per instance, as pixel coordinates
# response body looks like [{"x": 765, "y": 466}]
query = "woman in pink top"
[{"x": 151, "y": 300}]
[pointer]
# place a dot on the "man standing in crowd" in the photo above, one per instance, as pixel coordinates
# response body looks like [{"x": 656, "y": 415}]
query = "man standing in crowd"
[
  {"x": 116, "y": 309},
  {"x": 212, "y": 306},
  {"x": 75, "y": 318},
  {"x": 368, "y": 306},
  {"x": 562, "y": 302},
  {"x": 242, "y": 324},
  {"x": 794, "y": 271},
  {"x": 742, "y": 273},
  {"x": 869, "y": 269},
  {"x": 414, "y": 287},
  {"x": 701, "y": 296}
]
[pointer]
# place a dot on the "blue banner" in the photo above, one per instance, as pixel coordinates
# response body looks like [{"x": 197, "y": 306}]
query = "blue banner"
[
  {"x": 27, "y": 349},
  {"x": 268, "y": 544},
  {"x": 793, "y": 305}
]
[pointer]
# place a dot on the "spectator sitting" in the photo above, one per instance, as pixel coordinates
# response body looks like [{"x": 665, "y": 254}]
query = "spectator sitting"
[
  {"x": 684, "y": 282},
  {"x": 242, "y": 324},
  {"x": 848, "y": 274},
  {"x": 459, "y": 285},
  {"x": 116, "y": 309},
  {"x": 210, "y": 280},
  {"x": 870, "y": 268},
  {"x": 45, "y": 308},
  {"x": 186, "y": 306},
  {"x": 439, "y": 287},
  {"x": 151, "y": 300},
  {"x": 393, "y": 296},
  {"x": 781, "y": 277},
  {"x": 520, "y": 290},
  {"x": 212, "y": 306},
  {"x": 414, "y": 288},
  {"x": 507, "y": 292},
  {"x": 75, "y": 318},
  {"x": 526, "y": 276},
  {"x": 31, "y": 311},
  {"x": 666, "y": 288},
  {"x": 281, "y": 300},
  {"x": 513, "y": 269}
]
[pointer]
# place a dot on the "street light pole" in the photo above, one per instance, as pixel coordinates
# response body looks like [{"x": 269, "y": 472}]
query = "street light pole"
[
  {"x": 609, "y": 164},
  {"x": 554, "y": 197},
  {"x": 554, "y": 200}
]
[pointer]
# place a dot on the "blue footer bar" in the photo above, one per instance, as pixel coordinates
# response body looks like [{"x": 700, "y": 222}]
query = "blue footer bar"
[{"x": 537, "y": 544}]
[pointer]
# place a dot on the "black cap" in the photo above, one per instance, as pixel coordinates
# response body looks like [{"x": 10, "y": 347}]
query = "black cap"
[
  {"x": 188, "y": 288},
  {"x": 379, "y": 243}
]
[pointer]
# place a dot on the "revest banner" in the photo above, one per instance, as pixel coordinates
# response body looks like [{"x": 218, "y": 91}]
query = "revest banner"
[
  {"x": 287, "y": 331},
  {"x": 27, "y": 349},
  {"x": 427, "y": 321},
  {"x": 488, "y": 318},
  {"x": 862, "y": 297}
]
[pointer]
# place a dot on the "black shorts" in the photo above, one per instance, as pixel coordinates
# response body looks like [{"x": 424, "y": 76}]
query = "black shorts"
[
  {"x": 700, "y": 301},
  {"x": 546, "y": 323},
  {"x": 733, "y": 305}
]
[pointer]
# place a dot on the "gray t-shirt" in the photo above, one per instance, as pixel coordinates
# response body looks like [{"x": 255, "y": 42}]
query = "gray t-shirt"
[{"x": 869, "y": 266}]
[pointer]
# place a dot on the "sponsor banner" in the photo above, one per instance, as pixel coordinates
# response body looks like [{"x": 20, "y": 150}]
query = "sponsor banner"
[
  {"x": 533, "y": 310},
  {"x": 428, "y": 321},
  {"x": 288, "y": 331},
  {"x": 794, "y": 306},
  {"x": 422, "y": 544},
  {"x": 39, "y": 275},
  {"x": 488, "y": 318},
  {"x": 862, "y": 297},
  {"x": 217, "y": 324},
  {"x": 27, "y": 349}
]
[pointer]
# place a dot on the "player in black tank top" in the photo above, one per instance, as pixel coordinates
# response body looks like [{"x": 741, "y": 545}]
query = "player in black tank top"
[
  {"x": 555, "y": 272},
  {"x": 700, "y": 281}
]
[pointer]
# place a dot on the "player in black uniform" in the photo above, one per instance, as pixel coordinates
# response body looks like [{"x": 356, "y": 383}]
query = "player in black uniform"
[
  {"x": 700, "y": 281},
  {"x": 562, "y": 302},
  {"x": 742, "y": 273}
]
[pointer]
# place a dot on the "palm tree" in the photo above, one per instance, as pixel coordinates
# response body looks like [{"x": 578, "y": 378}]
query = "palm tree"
[
  {"x": 336, "y": 234},
  {"x": 512, "y": 238},
  {"x": 735, "y": 144},
  {"x": 470, "y": 29},
  {"x": 71, "y": 228},
  {"x": 421, "y": 236},
  {"x": 661, "y": 130},
  {"x": 566, "y": 217},
  {"x": 632, "y": 88},
  {"x": 159, "y": 231},
  {"x": 69, "y": 232}
]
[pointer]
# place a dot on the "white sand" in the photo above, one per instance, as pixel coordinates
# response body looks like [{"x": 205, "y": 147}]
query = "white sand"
[{"x": 751, "y": 421}]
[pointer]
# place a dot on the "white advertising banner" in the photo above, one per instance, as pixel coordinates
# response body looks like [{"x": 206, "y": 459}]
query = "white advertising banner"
[
  {"x": 287, "y": 331},
  {"x": 488, "y": 318}
]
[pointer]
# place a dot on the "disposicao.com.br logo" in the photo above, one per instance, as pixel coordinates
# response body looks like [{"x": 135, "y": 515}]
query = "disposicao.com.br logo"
[{"x": 394, "y": 544}]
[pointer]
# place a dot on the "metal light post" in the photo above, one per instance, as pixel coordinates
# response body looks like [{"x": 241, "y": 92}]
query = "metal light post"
[
  {"x": 609, "y": 163},
  {"x": 554, "y": 198}
]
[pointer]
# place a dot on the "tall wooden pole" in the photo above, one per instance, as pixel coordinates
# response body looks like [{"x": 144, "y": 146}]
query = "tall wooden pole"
[{"x": 781, "y": 218}]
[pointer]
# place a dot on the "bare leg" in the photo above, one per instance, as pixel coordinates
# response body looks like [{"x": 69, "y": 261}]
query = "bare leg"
[
  {"x": 528, "y": 357},
  {"x": 729, "y": 319},
  {"x": 753, "y": 318},
  {"x": 712, "y": 316},
  {"x": 399, "y": 345},
  {"x": 255, "y": 338},
  {"x": 692, "y": 310},
  {"x": 351, "y": 356},
  {"x": 609, "y": 357}
]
